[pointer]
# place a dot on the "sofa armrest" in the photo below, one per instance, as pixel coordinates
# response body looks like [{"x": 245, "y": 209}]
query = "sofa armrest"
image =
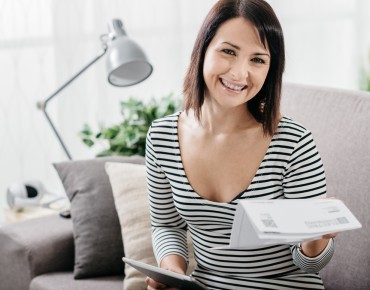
[{"x": 34, "y": 247}]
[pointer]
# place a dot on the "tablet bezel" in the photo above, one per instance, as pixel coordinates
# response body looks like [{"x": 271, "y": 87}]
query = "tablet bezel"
[{"x": 164, "y": 276}]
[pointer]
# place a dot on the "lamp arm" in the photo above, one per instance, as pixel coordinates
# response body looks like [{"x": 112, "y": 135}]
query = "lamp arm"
[
  {"x": 42, "y": 105},
  {"x": 57, "y": 134}
]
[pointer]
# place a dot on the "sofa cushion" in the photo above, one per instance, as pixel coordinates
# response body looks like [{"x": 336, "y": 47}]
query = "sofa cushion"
[
  {"x": 131, "y": 200},
  {"x": 65, "y": 281},
  {"x": 129, "y": 190},
  {"x": 96, "y": 229},
  {"x": 33, "y": 247},
  {"x": 339, "y": 120}
]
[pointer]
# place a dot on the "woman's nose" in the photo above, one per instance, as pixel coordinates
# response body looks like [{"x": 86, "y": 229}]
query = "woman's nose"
[{"x": 240, "y": 69}]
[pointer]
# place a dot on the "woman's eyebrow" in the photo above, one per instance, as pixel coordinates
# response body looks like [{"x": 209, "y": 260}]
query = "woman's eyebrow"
[
  {"x": 233, "y": 45},
  {"x": 261, "y": 53},
  {"x": 238, "y": 48}
]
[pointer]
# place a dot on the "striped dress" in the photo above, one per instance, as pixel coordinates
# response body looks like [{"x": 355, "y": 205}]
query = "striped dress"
[{"x": 291, "y": 168}]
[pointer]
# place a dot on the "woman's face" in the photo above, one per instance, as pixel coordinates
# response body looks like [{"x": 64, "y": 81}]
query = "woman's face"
[{"x": 235, "y": 64}]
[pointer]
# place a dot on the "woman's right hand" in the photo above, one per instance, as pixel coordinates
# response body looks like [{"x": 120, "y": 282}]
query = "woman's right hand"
[
  {"x": 154, "y": 285},
  {"x": 172, "y": 263}
]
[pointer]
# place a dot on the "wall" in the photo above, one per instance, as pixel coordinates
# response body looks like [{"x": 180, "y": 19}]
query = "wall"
[{"x": 327, "y": 42}]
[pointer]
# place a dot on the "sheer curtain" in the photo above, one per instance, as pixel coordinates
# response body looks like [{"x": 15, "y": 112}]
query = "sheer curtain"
[{"x": 44, "y": 42}]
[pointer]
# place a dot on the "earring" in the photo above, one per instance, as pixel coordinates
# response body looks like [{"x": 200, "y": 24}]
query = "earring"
[{"x": 262, "y": 106}]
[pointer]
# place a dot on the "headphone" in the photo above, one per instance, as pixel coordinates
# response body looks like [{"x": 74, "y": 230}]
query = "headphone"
[{"x": 28, "y": 194}]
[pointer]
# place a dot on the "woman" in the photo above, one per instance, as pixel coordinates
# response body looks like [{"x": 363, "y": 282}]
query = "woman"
[{"x": 231, "y": 143}]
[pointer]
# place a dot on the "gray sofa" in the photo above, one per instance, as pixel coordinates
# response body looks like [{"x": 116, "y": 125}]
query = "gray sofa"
[{"x": 39, "y": 254}]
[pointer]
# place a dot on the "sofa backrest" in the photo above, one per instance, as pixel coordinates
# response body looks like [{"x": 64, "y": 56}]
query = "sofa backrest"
[{"x": 340, "y": 123}]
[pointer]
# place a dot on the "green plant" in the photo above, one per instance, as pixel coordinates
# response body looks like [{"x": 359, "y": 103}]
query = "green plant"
[
  {"x": 129, "y": 136},
  {"x": 365, "y": 80},
  {"x": 365, "y": 76}
]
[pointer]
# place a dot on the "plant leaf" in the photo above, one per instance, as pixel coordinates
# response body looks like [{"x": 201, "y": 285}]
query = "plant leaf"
[{"x": 129, "y": 136}]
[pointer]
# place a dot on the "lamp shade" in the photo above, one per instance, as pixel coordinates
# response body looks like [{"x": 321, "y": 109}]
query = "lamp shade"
[{"x": 126, "y": 62}]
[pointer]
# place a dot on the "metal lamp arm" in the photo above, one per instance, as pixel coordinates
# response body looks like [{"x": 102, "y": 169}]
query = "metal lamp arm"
[
  {"x": 42, "y": 105},
  {"x": 57, "y": 134}
]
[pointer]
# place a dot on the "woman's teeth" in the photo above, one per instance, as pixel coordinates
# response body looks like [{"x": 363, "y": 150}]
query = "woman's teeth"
[{"x": 231, "y": 86}]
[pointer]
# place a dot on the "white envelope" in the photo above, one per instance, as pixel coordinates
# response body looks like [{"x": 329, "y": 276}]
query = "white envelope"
[{"x": 259, "y": 223}]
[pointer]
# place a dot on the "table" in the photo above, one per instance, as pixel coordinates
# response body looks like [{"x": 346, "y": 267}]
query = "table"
[
  {"x": 12, "y": 216},
  {"x": 8, "y": 215}
]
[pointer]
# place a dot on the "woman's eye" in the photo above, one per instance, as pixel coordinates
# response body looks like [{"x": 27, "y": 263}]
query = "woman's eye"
[
  {"x": 258, "y": 60},
  {"x": 228, "y": 51}
]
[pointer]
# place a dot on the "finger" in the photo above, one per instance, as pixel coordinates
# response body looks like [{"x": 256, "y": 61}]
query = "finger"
[
  {"x": 329, "y": 236},
  {"x": 152, "y": 284},
  {"x": 328, "y": 197},
  {"x": 152, "y": 288}
]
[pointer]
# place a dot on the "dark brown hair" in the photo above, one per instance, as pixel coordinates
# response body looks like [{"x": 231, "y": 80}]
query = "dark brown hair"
[{"x": 265, "y": 105}]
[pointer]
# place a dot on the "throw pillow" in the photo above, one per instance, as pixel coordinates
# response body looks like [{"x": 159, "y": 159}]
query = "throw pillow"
[
  {"x": 128, "y": 183},
  {"x": 96, "y": 228}
]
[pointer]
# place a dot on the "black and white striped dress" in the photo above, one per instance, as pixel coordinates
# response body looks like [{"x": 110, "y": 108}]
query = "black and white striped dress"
[{"x": 291, "y": 168}]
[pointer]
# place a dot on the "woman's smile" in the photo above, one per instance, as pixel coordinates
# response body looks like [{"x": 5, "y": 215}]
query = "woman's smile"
[{"x": 235, "y": 87}]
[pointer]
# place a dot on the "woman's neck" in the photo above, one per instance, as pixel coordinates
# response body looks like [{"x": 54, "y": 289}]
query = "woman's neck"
[{"x": 215, "y": 120}]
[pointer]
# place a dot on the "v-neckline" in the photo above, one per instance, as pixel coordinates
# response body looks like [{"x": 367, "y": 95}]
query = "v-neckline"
[{"x": 188, "y": 181}]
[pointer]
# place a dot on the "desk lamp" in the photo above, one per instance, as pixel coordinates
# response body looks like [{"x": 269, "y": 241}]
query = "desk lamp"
[{"x": 126, "y": 65}]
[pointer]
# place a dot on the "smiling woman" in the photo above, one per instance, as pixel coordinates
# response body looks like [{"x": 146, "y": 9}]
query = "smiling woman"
[{"x": 231, "y": 143}]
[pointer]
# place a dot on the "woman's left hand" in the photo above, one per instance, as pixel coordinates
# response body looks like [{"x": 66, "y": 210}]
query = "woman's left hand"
[
  {"x": 329, "y": 236},
  {"x": 315, "y": 248}
]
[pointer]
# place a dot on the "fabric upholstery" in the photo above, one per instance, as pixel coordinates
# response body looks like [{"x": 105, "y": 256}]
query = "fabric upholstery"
[
  {"x": 34, "y": 247},
  {"x": 339, "y": 121},
  {"x": 65, "y": 281},
  {"x": 97, "y": 235},
  {"x": 129, "y": 190}
]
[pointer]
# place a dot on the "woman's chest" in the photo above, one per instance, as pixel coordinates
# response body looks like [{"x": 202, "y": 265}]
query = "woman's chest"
[{"x": 220, "y": 168}]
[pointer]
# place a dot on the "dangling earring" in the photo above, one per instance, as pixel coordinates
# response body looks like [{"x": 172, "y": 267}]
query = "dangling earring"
[{"x": 262, "y": 106}]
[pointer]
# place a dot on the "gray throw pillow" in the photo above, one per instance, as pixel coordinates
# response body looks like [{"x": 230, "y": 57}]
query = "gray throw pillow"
[{"x": 96, "y": 228}]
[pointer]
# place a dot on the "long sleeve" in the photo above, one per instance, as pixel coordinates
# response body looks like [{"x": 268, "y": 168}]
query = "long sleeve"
[
  {"x": 305, "y": 178},
  {"x": 169, "y": 230}
]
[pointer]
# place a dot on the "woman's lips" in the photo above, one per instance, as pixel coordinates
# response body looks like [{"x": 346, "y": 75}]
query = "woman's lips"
[{"x": 233, "y": 86}]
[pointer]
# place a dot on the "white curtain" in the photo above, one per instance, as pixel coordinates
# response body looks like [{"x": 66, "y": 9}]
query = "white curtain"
[{"x": 44, "y": 42}]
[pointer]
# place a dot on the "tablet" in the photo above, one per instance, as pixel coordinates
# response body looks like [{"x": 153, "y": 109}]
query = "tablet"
[{"x": 166, "y": 277}]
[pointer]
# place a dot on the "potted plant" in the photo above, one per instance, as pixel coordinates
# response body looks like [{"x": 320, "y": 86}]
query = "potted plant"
[{"x": 129, "y": 136}]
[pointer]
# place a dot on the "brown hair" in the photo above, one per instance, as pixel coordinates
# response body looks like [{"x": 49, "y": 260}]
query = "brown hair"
[{"x": 265, "y": 105}]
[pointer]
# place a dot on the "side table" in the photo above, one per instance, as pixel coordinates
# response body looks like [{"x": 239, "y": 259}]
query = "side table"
[{"x": 12, "y": 216}]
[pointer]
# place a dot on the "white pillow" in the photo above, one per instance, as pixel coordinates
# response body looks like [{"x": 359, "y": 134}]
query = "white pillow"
[{"x": 128, "y": 183}]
